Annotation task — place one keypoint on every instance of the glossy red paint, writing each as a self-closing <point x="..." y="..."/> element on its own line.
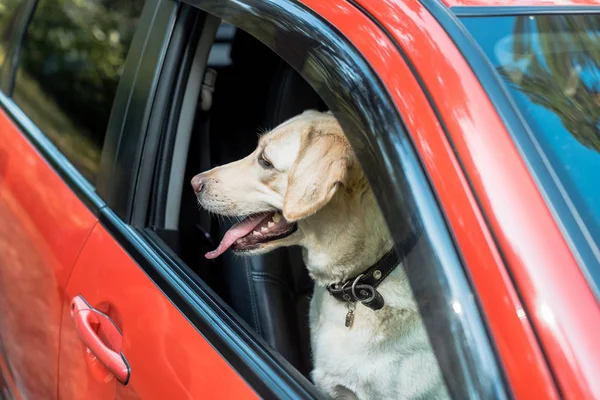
<point x="557" y="298"/>
<point x="169" y="359"/>
<point x="101" y="337"/>
<point x="44" y="226"/>
<point x="518" y="348"/>
<point x="520" y="3"/>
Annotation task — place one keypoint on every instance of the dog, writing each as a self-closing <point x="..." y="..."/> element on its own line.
<point x="303" y="186"/>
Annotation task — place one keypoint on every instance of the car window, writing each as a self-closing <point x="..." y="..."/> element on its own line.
<point x="271" y="292"/>
<point x="551" y="64"/>
<point x="72" y="57"/>
<point x="9" y="11"/>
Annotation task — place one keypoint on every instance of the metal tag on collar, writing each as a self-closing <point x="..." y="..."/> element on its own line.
<point x="350" y="315"/>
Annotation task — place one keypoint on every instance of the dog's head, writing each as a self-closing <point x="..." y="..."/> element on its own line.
<point x="295" y="172"/>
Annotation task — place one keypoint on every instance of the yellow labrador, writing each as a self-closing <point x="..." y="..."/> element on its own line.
<point x="303" y="186"/>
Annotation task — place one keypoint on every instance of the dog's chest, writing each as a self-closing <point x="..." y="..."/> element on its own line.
<point x="373" y="355"/>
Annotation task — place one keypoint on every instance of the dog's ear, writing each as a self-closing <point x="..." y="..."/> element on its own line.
<point x="322" y="166"/>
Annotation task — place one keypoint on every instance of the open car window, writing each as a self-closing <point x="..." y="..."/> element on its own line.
<point x="229" y="99"/>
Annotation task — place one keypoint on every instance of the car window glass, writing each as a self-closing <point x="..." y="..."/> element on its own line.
<point x="69" y="68"/>
<point x="551" y="64"/>
<point x="9" y="10"/>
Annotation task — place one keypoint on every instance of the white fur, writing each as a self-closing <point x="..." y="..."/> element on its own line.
<point x="385" y="354"/>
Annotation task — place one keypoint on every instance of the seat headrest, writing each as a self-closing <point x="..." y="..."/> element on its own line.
<point x="289" y="95"/>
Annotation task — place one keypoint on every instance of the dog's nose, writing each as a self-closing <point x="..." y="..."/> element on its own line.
<point x="197" y="184"/>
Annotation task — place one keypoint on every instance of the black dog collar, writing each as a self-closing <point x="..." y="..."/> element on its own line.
<point x="363" y="288"/>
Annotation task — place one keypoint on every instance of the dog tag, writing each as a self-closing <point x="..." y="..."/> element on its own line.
<point x="349" y="319"/>
<point x="350" y="315"/>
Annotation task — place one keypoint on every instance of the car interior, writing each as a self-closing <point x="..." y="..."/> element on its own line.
<point x="229" y="99"/>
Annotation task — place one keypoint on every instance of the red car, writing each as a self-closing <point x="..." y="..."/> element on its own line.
<point x="477" y="123"/>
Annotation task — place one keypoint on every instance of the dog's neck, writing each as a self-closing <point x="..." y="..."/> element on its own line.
<point x="344" y="238"/>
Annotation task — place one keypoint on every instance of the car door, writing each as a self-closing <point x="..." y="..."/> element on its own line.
<point x="43" y="227"/>
<point x="142" y="324"/>
<point x="122" y="337"/>
<point x="52" y="135"/>
<point x="135" y="321"/>
<point x="158" y="353"/>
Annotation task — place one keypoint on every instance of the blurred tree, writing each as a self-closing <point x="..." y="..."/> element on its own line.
<point x="562" y="54"/>
<point x="8" y="8"/>
<point x="76" y="50"/>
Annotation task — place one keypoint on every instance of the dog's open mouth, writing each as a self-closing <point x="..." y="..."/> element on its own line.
<point x="253" y="231"/>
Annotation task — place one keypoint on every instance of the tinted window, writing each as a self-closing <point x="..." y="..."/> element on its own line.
<point x="9" y="11"/>
<point x="551" y="64"/>
<point x="71" y="61"/>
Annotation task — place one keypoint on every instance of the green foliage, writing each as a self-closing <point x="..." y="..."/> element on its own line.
<point x="69" y="68"/>
<point x="76" y="50"/>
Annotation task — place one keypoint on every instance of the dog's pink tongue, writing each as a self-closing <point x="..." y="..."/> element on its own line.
<point x="237" y="231"/>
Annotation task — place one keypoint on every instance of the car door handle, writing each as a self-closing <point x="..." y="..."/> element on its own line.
<point x="102" y="338"/>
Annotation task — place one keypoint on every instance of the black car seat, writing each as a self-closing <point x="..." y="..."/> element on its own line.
<point x="270" y="292"/>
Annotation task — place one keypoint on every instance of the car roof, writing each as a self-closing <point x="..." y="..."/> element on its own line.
<point x="519" y="3"/>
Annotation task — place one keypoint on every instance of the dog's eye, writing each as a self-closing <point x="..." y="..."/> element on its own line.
<point x="264" y="162"/>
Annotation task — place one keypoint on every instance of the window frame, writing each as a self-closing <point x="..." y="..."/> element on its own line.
<point x="125" y="138"/>
<point x="293" y="12"/>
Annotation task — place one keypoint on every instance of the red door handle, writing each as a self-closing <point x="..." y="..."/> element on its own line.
<point x="102" y="337"/>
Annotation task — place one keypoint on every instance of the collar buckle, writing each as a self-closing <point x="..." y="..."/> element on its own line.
<point x="363" y="288"/>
